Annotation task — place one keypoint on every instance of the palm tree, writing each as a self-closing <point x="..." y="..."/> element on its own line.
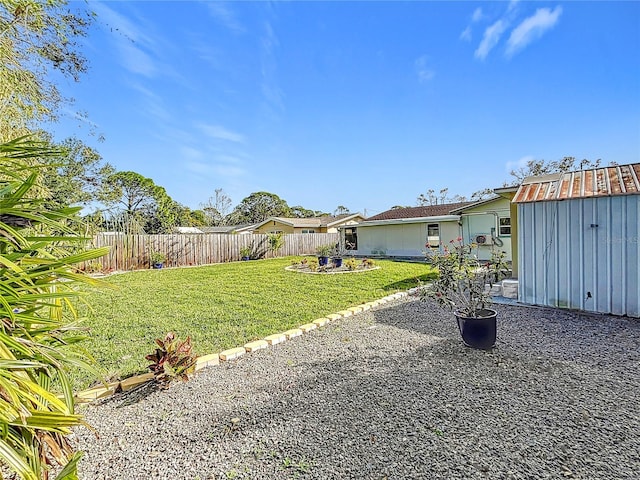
<point x="39" y="253"/>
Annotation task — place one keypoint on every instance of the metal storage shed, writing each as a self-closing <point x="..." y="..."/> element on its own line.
<point x="578" y="240"/>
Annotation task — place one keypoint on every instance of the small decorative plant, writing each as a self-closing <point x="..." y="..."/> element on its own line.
<point x="276" y="242"/>
<point x="157" y="258"/>
<point x="245" y="252"/>
<point x="313" y="264"/>
<point x="462" y="277"/>
<point x="325" y="250"/>
<point x="351" y="263"/>
<point x="368" y="263"/>
<point x="172" y="360"/>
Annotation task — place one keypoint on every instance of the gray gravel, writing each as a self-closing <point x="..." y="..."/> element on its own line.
<point x="393" y="393"/>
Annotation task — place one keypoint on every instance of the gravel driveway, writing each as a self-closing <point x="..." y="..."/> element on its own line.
<point x="392" y="393"/>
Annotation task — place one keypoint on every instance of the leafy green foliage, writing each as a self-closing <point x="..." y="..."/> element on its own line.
<point x="462" y="278"/>
<point x="134" y="200"/>
<point x="172" y="360"/>
<point x="36" y="39"/>
<point x="276" y="241"/>
<point x="75" y="176"/>
<point x="39" y="251"/>
<point x="258" y="207"/>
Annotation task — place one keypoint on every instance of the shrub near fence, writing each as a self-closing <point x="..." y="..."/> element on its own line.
<point x="130" y="252"/>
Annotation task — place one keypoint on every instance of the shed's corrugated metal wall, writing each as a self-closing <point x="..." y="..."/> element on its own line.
<point x="581" y="253"/>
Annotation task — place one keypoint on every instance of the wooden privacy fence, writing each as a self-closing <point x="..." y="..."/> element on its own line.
<point x="129" y="252"/>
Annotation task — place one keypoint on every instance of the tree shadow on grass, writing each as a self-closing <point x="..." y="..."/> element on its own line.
<point x="408" y="283"/>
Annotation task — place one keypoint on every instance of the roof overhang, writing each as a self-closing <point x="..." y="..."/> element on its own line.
<point x="401" y="221"/>
<point x="343" y="220"/>
<point x="477" y="204"/>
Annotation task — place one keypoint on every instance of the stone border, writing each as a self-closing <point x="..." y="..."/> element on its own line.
<point x="292" y="268"/>
<point x="231" y="354"/>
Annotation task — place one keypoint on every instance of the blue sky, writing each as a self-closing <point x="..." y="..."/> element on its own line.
<point x="361" y="104"/>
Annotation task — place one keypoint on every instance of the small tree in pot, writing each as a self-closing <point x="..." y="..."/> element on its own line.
<point x="323" y="252"/>
<point x="463" y="285"/>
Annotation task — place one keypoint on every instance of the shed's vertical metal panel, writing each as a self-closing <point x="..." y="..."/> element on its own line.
<point x="581" y="253"/>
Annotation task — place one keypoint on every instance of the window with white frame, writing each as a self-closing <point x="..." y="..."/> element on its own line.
<point x="433" y="235"/>
<point x="308" y="230"/>
<point x="504" y="226"/>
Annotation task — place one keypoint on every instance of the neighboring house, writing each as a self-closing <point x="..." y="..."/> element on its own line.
<point x="229" y="229"/>
<point x="187" y="230"/>
<point x="578" y="240"/>
<point x="403" y="232"/>
<point x="492" y="224"/>
<point x="307" y="225"/>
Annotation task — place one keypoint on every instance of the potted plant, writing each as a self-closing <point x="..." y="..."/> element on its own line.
<point x="245" y="253"/>
<point x="157" y="259"/>
<point x="324" y="252"/>
<point x="337" y="256"/>
<point x="461" y="286"/>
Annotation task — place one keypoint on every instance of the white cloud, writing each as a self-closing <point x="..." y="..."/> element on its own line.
<point x="153" y="103"/>
<point x="220" y="133"/>
<point x="532" y="28"/>
<point x="229" y="159"/>
<point x="466" y="34"/>
<point x="217" y="170"/>
<point x="476" y="16"/>
<point x="190" y="152"/>
<point x="425" y="72"/>
<point x="221" y="12"/>
<point x="271" y="90"/>
<point x="518" y="164"/>
<point x="137" y="61"/>
<point x="490" y="39"/>
<point x="132" y="42"/>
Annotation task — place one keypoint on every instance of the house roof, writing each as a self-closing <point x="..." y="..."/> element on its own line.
<point x="312" y="222"/>
<point x="226" y="228"/>
<point x="460" y="210"/>
<point x="187" y="230"/>
<point x="596" y="182"/>
<point x="417" y="212"/>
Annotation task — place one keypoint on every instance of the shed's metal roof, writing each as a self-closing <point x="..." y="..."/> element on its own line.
<point x="597" y="182"/>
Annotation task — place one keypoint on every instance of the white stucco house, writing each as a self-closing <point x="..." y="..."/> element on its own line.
<point x="406" y="232"/>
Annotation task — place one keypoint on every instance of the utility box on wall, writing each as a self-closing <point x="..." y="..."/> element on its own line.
<point x="578" y="240"/>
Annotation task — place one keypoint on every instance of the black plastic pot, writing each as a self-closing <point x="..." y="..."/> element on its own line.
<point x="157" y="265"/>
<point x="478" y="332"/>
<point x="322" y="261"/>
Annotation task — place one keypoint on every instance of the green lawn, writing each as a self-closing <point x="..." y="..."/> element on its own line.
<point x="222" y="306"/>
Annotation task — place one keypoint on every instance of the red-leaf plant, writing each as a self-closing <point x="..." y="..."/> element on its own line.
<point x="172" y="360"/>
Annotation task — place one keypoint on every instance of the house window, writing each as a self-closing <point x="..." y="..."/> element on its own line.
<point x="350" y="239"/>
<point x="276" y="231"/>
<point x="504" y="226"/>
<point x="433" y="235"/>
<point x="308" y="230"/>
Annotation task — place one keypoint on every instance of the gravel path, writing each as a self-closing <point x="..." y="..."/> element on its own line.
<point x="392" y="393"/>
